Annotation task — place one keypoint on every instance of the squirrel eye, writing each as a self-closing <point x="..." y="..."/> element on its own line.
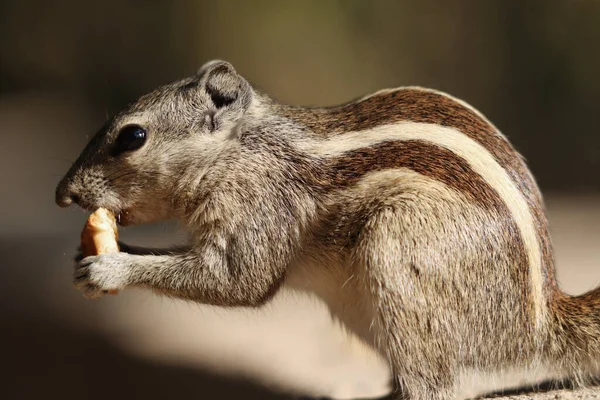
<point x="131" y="138"/>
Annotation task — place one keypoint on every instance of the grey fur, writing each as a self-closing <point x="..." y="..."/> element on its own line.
<point x="436" y="278"/>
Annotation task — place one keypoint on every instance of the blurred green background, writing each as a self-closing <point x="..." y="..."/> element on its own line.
<point x="531" y="66"/>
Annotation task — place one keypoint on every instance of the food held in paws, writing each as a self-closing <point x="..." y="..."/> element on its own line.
<point x="100" y="235"/>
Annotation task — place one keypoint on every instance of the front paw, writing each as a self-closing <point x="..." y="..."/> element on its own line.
<point x="97" y="275"/>
<point x="123" y="248"/>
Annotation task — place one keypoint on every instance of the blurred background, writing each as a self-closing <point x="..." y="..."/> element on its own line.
<point x="531" y="66"/>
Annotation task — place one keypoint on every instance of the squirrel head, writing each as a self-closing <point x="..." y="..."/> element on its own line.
<point x="135" y="164"/>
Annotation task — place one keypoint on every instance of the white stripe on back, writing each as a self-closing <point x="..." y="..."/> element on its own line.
<point x="480" y="160"/>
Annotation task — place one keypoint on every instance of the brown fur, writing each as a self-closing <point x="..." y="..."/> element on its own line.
<point x="423" y="251"/>
<point x="419" y="105"/>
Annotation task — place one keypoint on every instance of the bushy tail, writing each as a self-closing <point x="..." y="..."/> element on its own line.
<point x="574" y="342"/>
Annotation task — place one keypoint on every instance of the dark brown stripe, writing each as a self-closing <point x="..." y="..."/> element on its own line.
<point x="415" y="105"/>
<point x="422" y="157"/>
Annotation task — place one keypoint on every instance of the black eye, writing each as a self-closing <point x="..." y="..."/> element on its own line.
<point x="131" y="138"/>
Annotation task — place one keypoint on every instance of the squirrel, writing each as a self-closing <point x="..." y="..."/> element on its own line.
<point x="406" y="211"/>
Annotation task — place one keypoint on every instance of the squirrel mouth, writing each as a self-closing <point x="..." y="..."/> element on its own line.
<point x="124" y="218"/>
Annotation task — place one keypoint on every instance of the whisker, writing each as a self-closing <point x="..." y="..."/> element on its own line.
<point x="111" y="178"/>
<point x="159" y="174"/>
<point x="117" y="172"/>
<point x="61" y="159"/>
<point x="120" y="176"/>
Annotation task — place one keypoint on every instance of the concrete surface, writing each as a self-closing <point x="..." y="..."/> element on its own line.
<point x="580" y="394"/>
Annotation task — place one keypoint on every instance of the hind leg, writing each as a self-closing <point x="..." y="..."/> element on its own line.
<point x="446" y="283"/>
<point x="422" y="361"/>
<point x="417" y="312"/>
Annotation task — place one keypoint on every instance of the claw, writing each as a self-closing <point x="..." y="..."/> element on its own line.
<point x="87" y="261"/>
<point x="91" y="292"/>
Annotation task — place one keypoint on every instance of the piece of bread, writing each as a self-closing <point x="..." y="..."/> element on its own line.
<point x="100" y="235"/>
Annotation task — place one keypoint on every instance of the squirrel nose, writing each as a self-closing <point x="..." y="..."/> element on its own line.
<point x="65" y="197"/>
<point x="64" y="201"/>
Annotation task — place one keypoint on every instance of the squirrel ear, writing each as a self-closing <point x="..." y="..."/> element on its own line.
<point x="225" y="87"/>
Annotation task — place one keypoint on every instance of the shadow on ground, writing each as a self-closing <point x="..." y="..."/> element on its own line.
<point x="45" y="356"/>
<point x="44" y="361"/>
